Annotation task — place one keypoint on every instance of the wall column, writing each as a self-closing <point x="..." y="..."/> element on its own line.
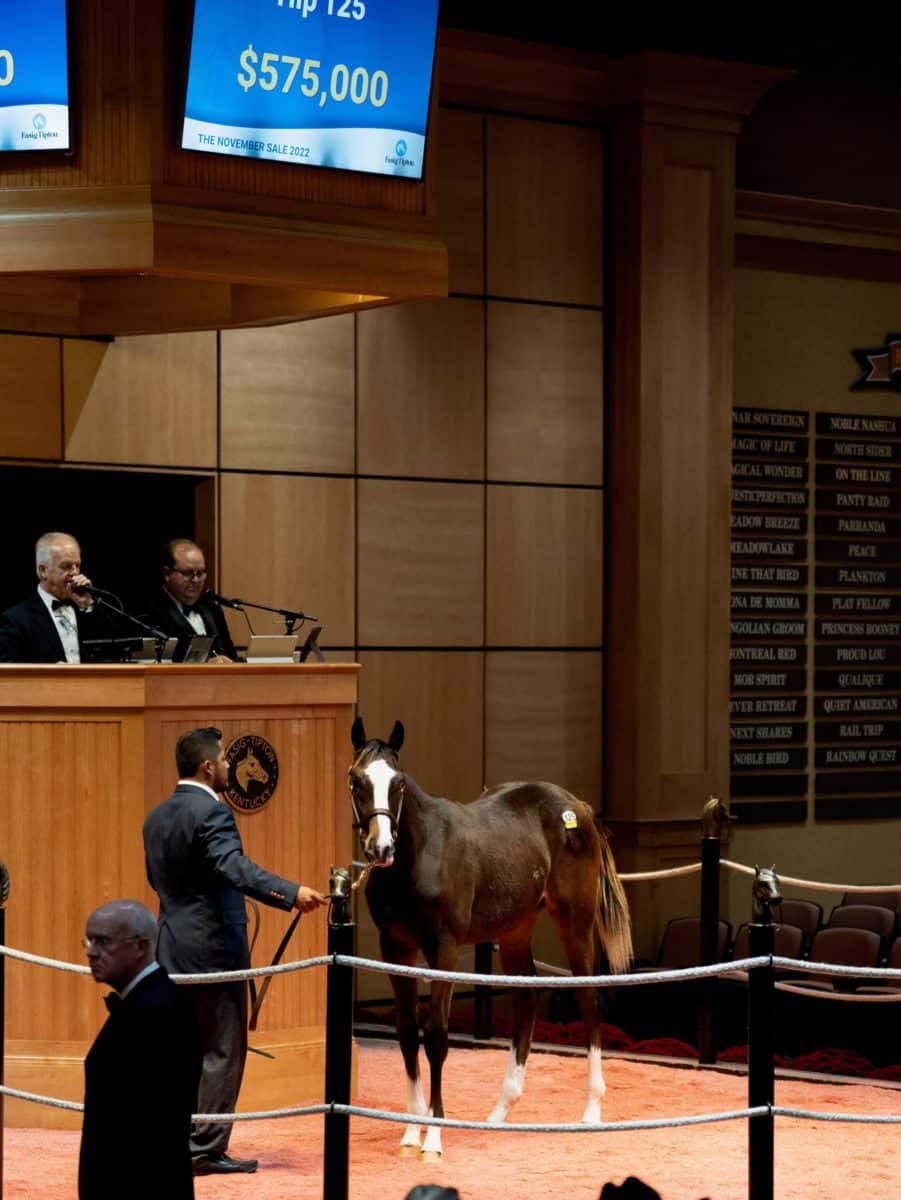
<point x="674" y="123"/>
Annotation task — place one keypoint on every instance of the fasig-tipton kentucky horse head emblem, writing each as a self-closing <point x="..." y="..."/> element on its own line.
<point x="252" y="773"/>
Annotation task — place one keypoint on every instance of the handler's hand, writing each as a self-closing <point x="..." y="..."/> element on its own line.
<point x="307" y="899"/>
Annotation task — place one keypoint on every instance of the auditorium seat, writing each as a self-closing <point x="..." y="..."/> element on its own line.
<point x="871" y="988"/>
<point x="865" y="916"/>
<point x="806" y="914"/>
<point x="841" y="945"/>
<point x="680" y="945"/>
<point x="885" y="899"/>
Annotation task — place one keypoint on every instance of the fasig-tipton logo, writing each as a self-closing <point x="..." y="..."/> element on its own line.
<point x="399" y="158"/>
<point x="40" y="131"/>
<point x="252" y="773"/>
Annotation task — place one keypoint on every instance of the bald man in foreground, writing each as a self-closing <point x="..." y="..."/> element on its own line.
<point x="142" y="1072"/>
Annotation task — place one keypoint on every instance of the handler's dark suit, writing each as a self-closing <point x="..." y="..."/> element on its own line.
<point x="140" y="1088"/>
<point x="28" y="633"/>
<point x="197" y="866"/>
<point x="164" y="614"/>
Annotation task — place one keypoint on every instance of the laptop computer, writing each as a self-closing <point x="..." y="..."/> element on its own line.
<point x="147" y="653"/>
<point x="271" y="648"/>
<point x="198" y="650"/>
<point x="109" y="650"/>
<point x="310" y="651"/>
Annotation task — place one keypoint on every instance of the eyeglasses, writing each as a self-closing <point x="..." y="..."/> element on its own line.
<point x="189" y="574"/>
<point x="104" y="940"/>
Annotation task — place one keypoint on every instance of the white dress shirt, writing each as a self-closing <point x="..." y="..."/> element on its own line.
<point x="66" y="625"/>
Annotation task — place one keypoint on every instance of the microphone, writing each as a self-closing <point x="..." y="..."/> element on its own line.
<point x="209" y="594"/>
<point x="85" y="589"/>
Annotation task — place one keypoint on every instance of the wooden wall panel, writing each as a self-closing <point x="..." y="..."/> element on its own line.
<point x="31" y="411"/>
<point x="545" y="554"/>
<point x="544" y="211"/>
<point x="443" y="741"/>
<point x="287" y="397"/>
<point x="438" y="697"/>
<point x="545" y="385"/>
<point x="461" y="198"/>
<point x="429" y="420"/>
<point x="288" y="541"/>
<point x="148" y="401"/>
<point x="686" y="416"/>
<point x="420" y="564"/>
<point x="543" y="720"/>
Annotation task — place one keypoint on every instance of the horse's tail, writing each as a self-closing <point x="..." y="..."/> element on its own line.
<point x="614" y="924"/>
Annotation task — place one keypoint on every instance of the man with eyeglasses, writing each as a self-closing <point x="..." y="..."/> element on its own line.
<point x="181" y="609"/>
<point x="142" y="1072"/>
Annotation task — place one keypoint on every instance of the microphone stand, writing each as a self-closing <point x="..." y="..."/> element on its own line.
<point x="290" y="618"/>
<point x="100" y="601"/>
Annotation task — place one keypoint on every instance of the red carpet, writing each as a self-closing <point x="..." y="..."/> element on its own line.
<point x="814" y="1161"/>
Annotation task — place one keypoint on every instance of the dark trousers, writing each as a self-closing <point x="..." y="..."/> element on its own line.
<point x="222" y="1017"/>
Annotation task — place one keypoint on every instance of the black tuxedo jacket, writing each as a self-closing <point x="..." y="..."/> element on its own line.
<point x="197" y="866"/>
<point x="28" y="633"/>
<point x="164" y="614"/>
<point x="141" y="1077"/>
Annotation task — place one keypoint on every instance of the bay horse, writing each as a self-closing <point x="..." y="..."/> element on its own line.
<point x="453" y="874"/>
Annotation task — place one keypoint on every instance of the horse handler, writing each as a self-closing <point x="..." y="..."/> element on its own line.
<point x="197" y="866"/>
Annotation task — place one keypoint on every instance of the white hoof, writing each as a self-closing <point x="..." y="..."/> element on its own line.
<point x="592" y="1113"/>
<point x="431" y="1156"/>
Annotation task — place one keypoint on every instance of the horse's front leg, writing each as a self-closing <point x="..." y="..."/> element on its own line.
<point x="435" y="1042"/>
<point x="516" y="959"/>
<point x="405" y="996"/>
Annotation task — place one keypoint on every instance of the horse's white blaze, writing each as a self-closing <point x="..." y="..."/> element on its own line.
<point x="417" y="1106"/>
<point x="596" y="1087"/>
<point x="511" y="1088"/>
<point x="380" y="776"/>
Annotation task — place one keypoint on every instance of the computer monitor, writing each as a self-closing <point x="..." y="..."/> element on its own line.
<point x="271" y="648"/>
<point x="198" y="650"/>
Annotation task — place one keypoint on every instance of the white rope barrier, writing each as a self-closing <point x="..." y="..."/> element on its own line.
<point x="520" y="981"/>
<point x="376" y="1114"/>
<point x="857" y="1118"/>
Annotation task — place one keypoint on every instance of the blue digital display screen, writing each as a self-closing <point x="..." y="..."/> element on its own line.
<point x="326" y="83"/>
<point x="34" y="75"/>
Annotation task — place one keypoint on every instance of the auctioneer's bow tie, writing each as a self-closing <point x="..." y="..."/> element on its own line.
<point x="57" y="604"/>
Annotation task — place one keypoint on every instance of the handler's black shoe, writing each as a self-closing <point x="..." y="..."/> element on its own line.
<point x="222" y="1164"/>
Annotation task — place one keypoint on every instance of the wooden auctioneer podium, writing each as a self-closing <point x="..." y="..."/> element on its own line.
<point x="87" y="752"/>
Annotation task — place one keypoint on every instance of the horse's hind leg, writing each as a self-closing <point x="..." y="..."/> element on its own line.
<point x="516" y="959"/>
<point x="405" y="993"/>
<point x="577" y="935"/>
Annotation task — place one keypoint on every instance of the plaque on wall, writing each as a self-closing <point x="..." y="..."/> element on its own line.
<point x="868" y="656"/>
<point x="858" y="451"/>
<point x="858" y="425"/>
<point x="856" y="706"/>
<point x="776" y="419"/>
<point x="768" y="706"/>
<point x="769" y="574"/>
<point x="769" y="602"/>
<point x="859" y="731"/>
<point x="858" y="526"/>
<point x="788" y="732"/>
<point x="767" y="443"/>
<point x="754" y="497"/>
<point x="768" y="785"/>
<point x="850" y="500"/>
